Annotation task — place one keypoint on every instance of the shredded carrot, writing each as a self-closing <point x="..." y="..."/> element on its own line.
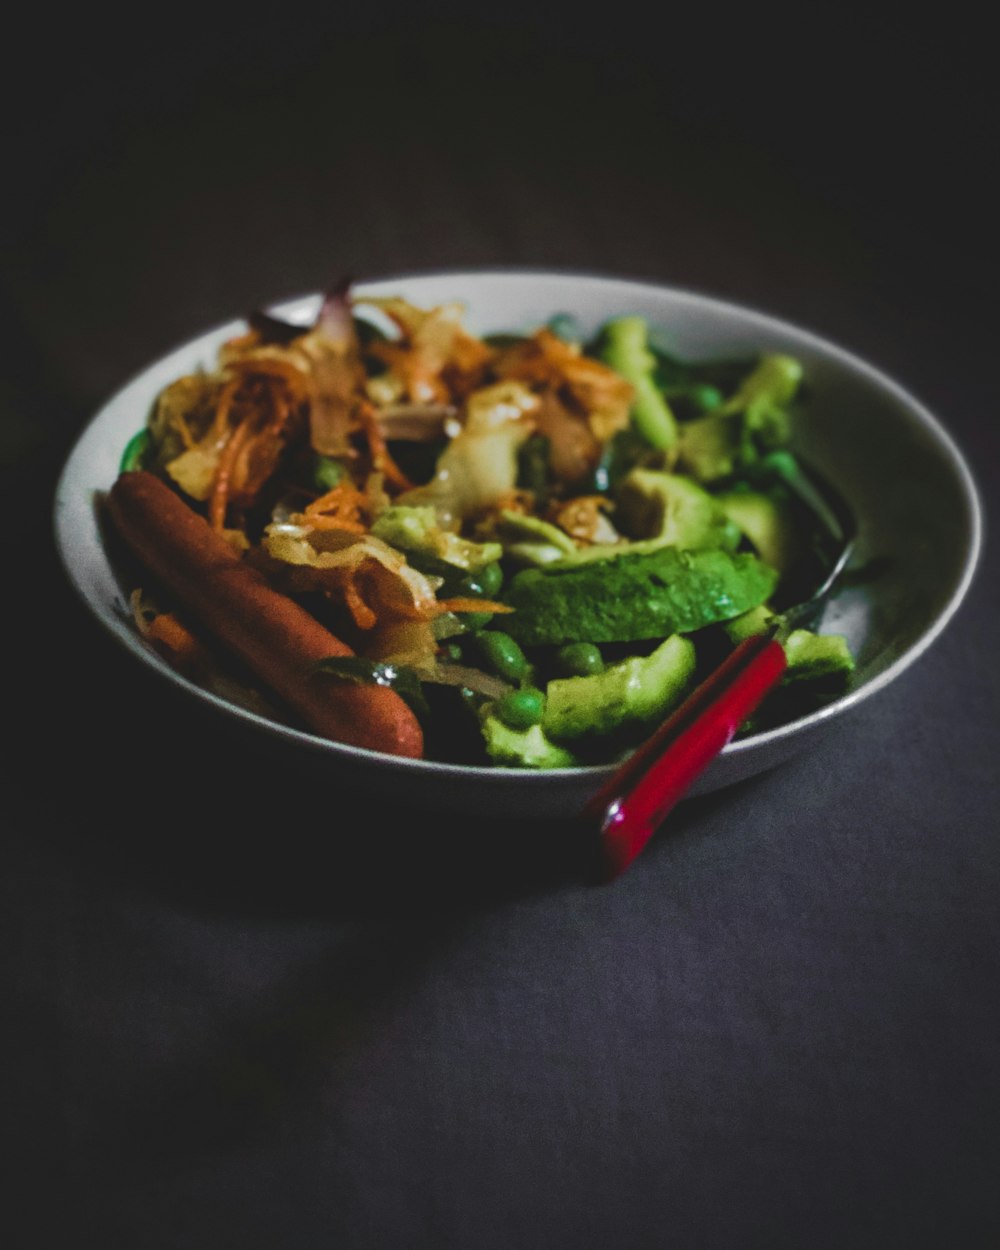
<point x="337" y="497"/>
<point x="261" y="430"/>
<point x="226" y="397"/>
<point x="363" y="615"/>
<point x="473" y="605"/>
<point x="221" y="485"/>
<point x="340" y="508"/>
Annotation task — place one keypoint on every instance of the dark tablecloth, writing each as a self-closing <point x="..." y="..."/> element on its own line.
<point x="245" y="1010"/>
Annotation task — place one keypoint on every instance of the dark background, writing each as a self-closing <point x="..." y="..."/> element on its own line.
<point x="245" y="1011"/>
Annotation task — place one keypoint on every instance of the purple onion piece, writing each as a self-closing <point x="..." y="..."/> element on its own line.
<point x="335" y="320"/>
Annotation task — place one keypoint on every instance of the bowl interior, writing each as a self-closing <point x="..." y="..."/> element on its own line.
<point x="918" y="514"/>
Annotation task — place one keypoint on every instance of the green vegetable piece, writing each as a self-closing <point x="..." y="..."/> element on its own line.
<point x="711" y="447"/>
<point x="812" y="656"/>
<point x="625" y="348"/>
<point x="634" y="596"/>
<point x="580" y="659"/>
<point x="641" y="688"/>
<point x="747" y="624"/>
<point x="327" y="473"/>
<point x="136" y="450"/>
<point x="768" y="524"/>
<point x="661" y="509"/>
<point x="809" y="655"/>
<point x="522" y="748"/>
<point x="398" y="677"/>
<point x="782" y="464"/>
<point x="751" y="423"/>
<point x="489" y="580"/>
<point x="447" y="625"/>
<point x="416" y="529"/>
<point x="673" y="510"/>
<point x="682" y="377"/>
<point x="704" y="396"/>
<point x="530" y="540"/>
<point x="473" y="622"/>
<point x="520" y="709"/>
<point x="503" y="655"/>
<point x="773" y="384"/>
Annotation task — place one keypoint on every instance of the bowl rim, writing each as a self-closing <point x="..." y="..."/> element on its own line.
<point x="66" y="488"/>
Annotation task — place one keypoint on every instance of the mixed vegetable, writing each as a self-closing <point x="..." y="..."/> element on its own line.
<point x="539" y="540"/>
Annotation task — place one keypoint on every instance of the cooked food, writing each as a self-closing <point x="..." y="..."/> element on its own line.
<point x="279" y="641"/>
<point x="405" y="531"/>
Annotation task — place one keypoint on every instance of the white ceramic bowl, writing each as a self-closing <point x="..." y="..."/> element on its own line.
<point x="911" y="491"/>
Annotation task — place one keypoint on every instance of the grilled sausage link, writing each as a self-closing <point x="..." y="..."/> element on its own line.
<point x="276" y="638"/>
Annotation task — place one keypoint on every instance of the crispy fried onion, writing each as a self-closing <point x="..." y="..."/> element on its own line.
<point x="478" y="468"/>
<point x="371" y="578"/>
<point x="598" y="395"/>
<point x="435" y="360"/>
<point x="226" y="434"/>
<point x="327" y="361"/>
<point x="220" y="439"/>
<point x="391" y="602"/>
<point x="585" y="519"/>
<point x="448" y="674"/>
<point x="328" y="374"/>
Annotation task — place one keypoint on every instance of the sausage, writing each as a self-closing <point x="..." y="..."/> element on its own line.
<point x="274" y="636"/>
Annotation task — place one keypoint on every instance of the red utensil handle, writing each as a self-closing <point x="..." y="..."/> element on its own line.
<point x="639" y="796"/>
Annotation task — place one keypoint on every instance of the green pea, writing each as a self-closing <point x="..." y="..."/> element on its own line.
<point x="474" y="621"/>
<point x="520" y="709"/>
<point x="580" y="659"/>
<point x="490" y="579"/>
<point x="327" y="473"/>
<point x="503" y="654"/>
<point x="483" y="583"/>
<point x="706" y="397"/>
<point x="783" y="463"/>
